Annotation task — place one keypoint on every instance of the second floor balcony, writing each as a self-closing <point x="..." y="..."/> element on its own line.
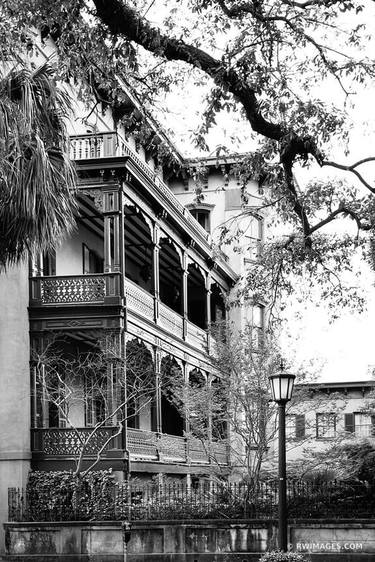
<point x="99" y="289"/>
<point x="144" y="446"/>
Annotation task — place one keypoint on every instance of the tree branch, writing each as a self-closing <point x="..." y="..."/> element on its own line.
<point x="123" y="20"/>
<point x="341" y="210"/>
<point x="312" y="3"/>
<point x="353" y="169"/>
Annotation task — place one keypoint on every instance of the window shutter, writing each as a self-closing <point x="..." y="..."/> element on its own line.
<point x="232" y="199"/>
<point x="300" y="426"/>
<point x="349" y="423"/>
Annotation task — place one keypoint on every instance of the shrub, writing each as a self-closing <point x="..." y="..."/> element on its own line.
<point x="62" y="496"/>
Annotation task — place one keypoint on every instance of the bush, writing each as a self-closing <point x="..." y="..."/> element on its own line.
<point x="62" y="496"/>
<point x="278" y="556"/>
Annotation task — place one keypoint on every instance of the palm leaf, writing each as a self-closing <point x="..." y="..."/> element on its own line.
<point x="37" y="180"/>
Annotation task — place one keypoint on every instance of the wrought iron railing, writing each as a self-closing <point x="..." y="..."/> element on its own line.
<point x="94" y="288"/>
<point x="143" y="445"/>
<point x="138" y="300"/>
<point x="196" y="336"/>
<point x="337" y="499"/>
<point x="170" y="320"/>
<point x="74" y="289"/>
<point x="70" y="442"/>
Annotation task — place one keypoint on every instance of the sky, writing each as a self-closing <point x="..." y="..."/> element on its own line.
<point x="343" y="349"/>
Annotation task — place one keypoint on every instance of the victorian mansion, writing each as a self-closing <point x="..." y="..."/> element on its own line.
<point x="141" y="274"/>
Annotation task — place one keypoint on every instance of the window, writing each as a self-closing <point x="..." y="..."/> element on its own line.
<point x="92" y="262"/>
<point x="95" y="403"/>
<point x="325" y="426"/>
<point x="203" y="217"/>
<point x="257" y="324"/>
<point x="57" y="404"/>
<point x="295" y="426"/>
<point x="255" y="237"/>
<point x="361" y="424"/>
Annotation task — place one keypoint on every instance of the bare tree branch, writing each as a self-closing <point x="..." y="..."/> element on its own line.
<point x="353" y="170"/>
<point x="341" y="210"/>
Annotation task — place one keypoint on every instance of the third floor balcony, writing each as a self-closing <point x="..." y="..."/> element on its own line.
<point x="111" y="145"/>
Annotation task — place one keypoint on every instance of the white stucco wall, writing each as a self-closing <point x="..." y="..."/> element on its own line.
<point x="69" y="256"/>
<point x="14" y="384"/>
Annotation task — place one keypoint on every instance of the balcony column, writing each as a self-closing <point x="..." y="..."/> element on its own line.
<point x="107" y="244"/>
<point x="121" y="242"/>
<point x="112" y="205"/>
<point x="209" y="420"/>
<point x="185" y="373"/>
<point x="116" y="244"/>
<point x="208" y="310"/>
<point x="110" y="388"/>
<point x="44" y="397"/>
<point x="185" y="295"/>
<point x="111" y="213"/>
<point x="157" y="362"/>
<point x="38" y="398"/>
<point x="155" y="270"/>
<point x="122" y="402"/>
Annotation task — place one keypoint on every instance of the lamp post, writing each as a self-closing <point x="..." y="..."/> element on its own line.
<point x="282" y="389"/>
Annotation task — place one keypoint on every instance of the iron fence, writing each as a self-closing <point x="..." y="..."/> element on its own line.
<point x="337" y="499"/>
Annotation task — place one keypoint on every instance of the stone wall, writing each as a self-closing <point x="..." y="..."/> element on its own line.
<point x="187" y="541"/>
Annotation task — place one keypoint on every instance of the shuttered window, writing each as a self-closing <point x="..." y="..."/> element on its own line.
<point x="349" y="423"/>
<point x="360" y="423"/>
<point x="295" y="426"/>
<point x="233" y="199"/>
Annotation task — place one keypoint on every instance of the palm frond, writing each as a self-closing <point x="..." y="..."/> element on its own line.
<point x="37" y="180"/>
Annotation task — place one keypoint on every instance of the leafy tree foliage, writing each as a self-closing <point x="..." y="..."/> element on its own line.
<point x="234" y="406"/>
<point x="269" y="60"/>
<point x="344" y="460"/>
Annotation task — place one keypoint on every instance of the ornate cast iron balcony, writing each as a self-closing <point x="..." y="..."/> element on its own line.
<point x="74" y="289"/>
<point x="66" y="443"/>
<point x="105" y="288"/>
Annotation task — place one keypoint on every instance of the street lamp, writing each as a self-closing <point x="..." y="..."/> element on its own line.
<point x="282" y="389"/>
